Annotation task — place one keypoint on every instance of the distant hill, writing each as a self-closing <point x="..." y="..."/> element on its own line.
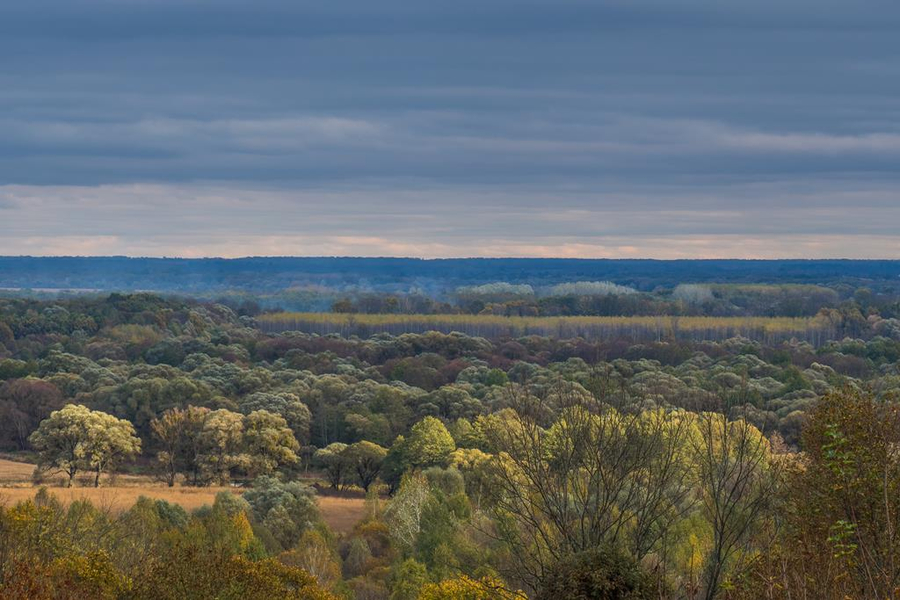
<point x="266" y="275"/>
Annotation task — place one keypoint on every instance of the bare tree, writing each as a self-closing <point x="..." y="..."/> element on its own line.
<point x="737" y="480"/>
<point x="596" y="476"/>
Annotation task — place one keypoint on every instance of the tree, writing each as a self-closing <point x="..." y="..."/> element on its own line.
<point x="316" y="557"/>
<point x="24" y="403"/>
<point x="109" y="441"/>
<point x="737" y="479"/>
<point x="170" y="429"/>
<point x="286" y="509"/>
<point x="268" y="442"/>
<point x="289" y="406"/>
<point x="202" y="444"/>
<point x="75" y="438"/>
<point x="366" y="459"/>
<point x="404" y="514"/>
<point x="429" y="443"/>
<point x="595" y="477"/>
<point x="408" y="579"/>
<point x="394" y="464"/>
<point x="333" y="460"/>
<point x="839" y="508"/>
<point x="221" y="441"/>
<point x="189" y="573"/>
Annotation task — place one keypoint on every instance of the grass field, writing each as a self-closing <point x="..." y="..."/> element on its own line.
<point x="340" y="513"/>
<point x="768" y="329"/>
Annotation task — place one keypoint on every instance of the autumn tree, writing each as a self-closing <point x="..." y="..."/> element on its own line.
<point x="365" y="458"/>
<point x="171" y="432"/>
<point x="466" y="588"/>
<point x="839" y="508"/>
<point x="315" y="556"/>
<point x="737" y="479"/>
<point x="109" y="441"/>
<point x="75" y="438"/>
<point x="268" y="442"/>
<point x="334" y="461"/>
<point x="429" y="443"/>
<point x="597" y="476"/>
<point x="203" y="444"/>
<point x="603" y="573"/>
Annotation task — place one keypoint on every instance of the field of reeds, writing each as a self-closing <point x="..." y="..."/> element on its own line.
<point x="634" y="329"/>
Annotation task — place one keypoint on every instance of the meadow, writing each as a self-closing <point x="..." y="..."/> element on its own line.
<point x="340" y="513"/>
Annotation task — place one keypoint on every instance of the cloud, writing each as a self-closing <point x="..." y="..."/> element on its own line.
<point x="812" y="219"/>
<point x="608" y="127"/>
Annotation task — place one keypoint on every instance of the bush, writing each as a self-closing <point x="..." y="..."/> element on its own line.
<point x="599" y="574"/>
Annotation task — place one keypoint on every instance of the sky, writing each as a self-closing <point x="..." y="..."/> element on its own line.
<point x="632" y="128"/>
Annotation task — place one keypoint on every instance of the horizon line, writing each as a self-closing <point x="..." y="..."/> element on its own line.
<point x="435" y="259"/>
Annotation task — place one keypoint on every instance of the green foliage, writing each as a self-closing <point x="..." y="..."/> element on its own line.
<point x="408" y="579"/>
<point x="365" y="458"/>
<point x="490" y="467"/>
<point x="599" y="574"/>
<point x="287" y="510"/>
<point x="429" y="444"/>
<point x="334" y="460"/>
<point x="268" y="442"/>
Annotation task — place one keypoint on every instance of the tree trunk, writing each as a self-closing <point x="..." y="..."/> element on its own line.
<point x="97" y="478"/>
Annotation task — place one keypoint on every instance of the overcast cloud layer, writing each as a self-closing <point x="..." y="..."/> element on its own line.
<point x="661" y="128"/>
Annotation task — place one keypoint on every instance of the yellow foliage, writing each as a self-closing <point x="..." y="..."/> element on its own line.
<point x="465" y="588"/>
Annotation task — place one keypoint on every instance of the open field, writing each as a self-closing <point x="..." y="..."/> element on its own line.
<point x="340" y="513"/>
<point x="636" y="329"/>
<point x="13" y="472"/>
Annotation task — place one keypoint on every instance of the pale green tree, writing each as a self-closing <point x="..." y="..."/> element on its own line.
<point x="221" y="443"/>
<point x="75" y="438"/>
<point x="268" y="442"/>
<point x="405" y="513"/>
<point x="60" y="440"/>
<point x="109" y="441"/>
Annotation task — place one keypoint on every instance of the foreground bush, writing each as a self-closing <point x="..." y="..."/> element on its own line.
<point x="599" y="574"/>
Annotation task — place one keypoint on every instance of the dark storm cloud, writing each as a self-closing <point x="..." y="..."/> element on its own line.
<point x="570" y="125"/>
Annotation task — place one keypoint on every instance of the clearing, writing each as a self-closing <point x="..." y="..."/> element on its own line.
<point x="340" y="513"/>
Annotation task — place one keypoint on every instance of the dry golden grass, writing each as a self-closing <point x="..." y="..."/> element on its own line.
<point x="118" y="498"/>
<point x="340" y="513"/>
<point x="636" y="329"/>
<point x="771" y="324"/>
<point x="12" y="472"/>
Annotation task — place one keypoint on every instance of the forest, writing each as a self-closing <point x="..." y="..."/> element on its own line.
<point x="702" y="454"/>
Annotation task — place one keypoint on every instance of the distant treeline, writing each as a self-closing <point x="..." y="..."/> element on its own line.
<point x="815" y="331"/>
<point x="261" y="275"/>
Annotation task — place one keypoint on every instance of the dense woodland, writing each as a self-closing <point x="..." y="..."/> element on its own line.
<point x="495" y="467"/>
